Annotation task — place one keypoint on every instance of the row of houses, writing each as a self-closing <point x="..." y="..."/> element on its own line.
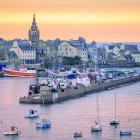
<point x="23" y="51"/>
<point x="53" y="51"/>
<point x="119" y="53"/>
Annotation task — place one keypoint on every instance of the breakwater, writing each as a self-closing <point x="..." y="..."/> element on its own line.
<point x="46" y="97"/>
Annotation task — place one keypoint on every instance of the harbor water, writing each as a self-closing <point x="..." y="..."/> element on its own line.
<point x="70" y="116"/>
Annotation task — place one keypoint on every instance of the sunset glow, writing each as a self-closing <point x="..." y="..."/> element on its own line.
<point x="99" y="20"/>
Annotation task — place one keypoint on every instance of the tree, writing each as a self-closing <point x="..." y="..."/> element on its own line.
<point x="71" y="60"/>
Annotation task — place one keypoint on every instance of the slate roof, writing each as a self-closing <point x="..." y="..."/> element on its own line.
<point x="24" y="45"/>
<point x="76" y="44"/>
<point x="132" y="49"/>
<point x="111" y="46"/>
<point x="12" y="54"/>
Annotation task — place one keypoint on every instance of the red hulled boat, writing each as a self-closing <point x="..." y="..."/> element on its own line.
<point x="21" y="72"/>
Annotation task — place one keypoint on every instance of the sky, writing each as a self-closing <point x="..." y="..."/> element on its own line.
<point x="99" y="20"/>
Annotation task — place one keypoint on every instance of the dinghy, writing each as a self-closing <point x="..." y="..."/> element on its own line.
<point x="13" y="131"/>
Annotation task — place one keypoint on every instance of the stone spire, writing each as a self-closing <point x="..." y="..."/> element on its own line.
<point x="34" y="33"/>
<point x="34" y="20"/>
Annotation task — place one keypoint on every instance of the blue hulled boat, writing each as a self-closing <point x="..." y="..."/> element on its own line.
<point x="43" y="124"/>
<point x="125" y="133"/>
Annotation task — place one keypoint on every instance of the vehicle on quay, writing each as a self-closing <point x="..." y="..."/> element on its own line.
<point x="32" y="114"/>
<point x="45" y="123"/>
<point x="13" y="131"/>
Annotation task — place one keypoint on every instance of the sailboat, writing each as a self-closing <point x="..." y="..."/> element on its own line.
<point x="97" y="127"/>
<point x="114" y="121"/>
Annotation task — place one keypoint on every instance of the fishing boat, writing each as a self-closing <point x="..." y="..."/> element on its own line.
<point x="77" y="134"/>
<point x="22" y="71"/>
<point x="13" y="131"/>
<point x="125" y="133"/>
<point x="32" y="114"/>
<point x="43" y="124"/>
<point x="114" y="121"/>
<point x="97" y="127"/>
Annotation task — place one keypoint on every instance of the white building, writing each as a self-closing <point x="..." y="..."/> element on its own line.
<point x="24" y="51"/>
<point x="72" y="49"/>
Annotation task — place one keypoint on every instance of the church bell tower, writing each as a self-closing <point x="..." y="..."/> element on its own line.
<point x="34" y="33"/>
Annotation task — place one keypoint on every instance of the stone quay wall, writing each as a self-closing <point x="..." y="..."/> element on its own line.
<point x="72" y="93"/>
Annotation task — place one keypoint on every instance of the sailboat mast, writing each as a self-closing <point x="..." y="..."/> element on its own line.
<point x="98" y="120"/>
<point x="115" y="105"/>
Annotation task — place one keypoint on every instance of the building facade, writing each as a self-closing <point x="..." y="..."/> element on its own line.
<point x="24" y="51"/>
<point x="66" y="49"/>
<point x="72" y="49"/>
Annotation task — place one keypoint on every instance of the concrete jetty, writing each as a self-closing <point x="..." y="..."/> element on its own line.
<point x="47" y="97"/>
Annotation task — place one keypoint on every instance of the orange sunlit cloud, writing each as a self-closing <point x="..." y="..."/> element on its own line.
<point x="99" y="20"/>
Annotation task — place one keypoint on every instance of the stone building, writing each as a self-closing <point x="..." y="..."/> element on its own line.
<point x="24" y="50"/>
<point x="34" y="33"/>
<point x="72" y="49"/>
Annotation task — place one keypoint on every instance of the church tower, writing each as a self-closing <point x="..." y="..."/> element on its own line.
<point x="34" y="33"/>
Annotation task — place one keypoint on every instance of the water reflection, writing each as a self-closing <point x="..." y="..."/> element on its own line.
<point x="70" y="116"/>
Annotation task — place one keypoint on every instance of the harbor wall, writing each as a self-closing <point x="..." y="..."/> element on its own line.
<point x="56" y="97"/>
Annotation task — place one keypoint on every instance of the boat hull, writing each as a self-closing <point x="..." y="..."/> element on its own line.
<point x="13" y="73"/>
<point x="77" y="135"/>
<point x="125" y="133"/>
<point x="32" y="116"/>
<point x="10" y="133"/>
<point x="39" y="125"/>
<point x="114" y="122"/>
<point x="96" y="129"/>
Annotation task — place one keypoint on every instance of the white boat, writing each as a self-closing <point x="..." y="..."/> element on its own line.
<point x="32" y="114"/>
<point x="13" y="131"/>
<point x="43" y="124"/>
<point x="97" y="127"/>
<point x="114" y="121"/>
<point x="125" y="133"/>
<point x="77" y="134"/>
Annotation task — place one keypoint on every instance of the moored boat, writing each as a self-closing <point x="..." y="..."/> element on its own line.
<point x="77" y="134"/>
<point x="32" y="114"/>
<point x="125" y="133"/>
<point x="13" y="131"/>
<point x="45" y="123"/>
<point x="114" y="121"/>
<point x="97" y="127"/>
<point x="19" y="72"/>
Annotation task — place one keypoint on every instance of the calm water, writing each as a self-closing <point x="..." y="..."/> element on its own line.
<point x="70" y="116"/>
